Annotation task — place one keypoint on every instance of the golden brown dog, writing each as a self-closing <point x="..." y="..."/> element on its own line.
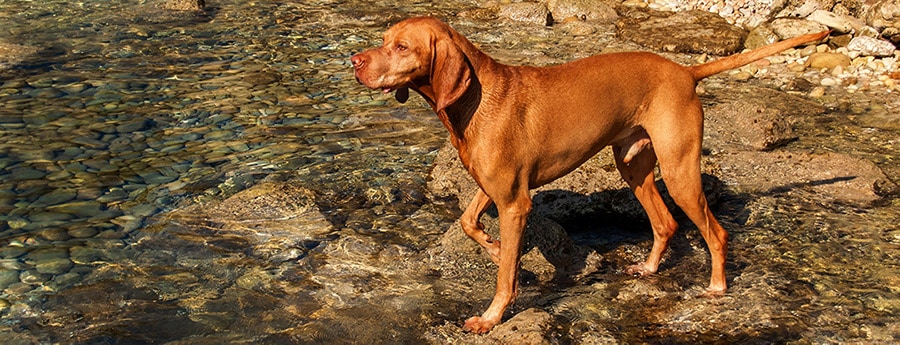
<point x="518" y="127"/>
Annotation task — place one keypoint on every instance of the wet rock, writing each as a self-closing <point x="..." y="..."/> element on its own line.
<point x="264" y="77"/>
<point x="54" y="266"/>
<point x="593" y="10"/>
<point x="787" y="28"/>
<point x="268" y="209"/>
<point x="8" y="277"/>
<point x="528" y="12"/>
<point x="755" y="118"/>
<point x="57" y="196"/>
<point x="531" y="327"/>
<point x="83" y="208"/>
<point x="869" y="46"/>
<point x="11" y="54"/>
<point x="83" y="232"/>
<point x="133" y="125"/>
<point x="683" y="32"/>
<point x="827" y="60"/>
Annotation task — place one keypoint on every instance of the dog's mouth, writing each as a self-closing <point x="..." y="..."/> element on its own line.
<point x="401" y="95"/>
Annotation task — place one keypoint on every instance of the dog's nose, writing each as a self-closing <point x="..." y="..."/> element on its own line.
<point x="358" y="61"/>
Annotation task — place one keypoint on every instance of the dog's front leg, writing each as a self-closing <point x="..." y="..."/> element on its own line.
<point x="472" y="226"/>
<point x="512" y="227"/>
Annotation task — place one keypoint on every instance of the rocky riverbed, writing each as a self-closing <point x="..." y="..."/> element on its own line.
<point x="209" y="171"/>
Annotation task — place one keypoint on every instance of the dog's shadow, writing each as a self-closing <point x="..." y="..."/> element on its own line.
<point x="584" y="235"/>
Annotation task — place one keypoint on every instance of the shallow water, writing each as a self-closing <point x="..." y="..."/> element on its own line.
<point x="125" y="112"/>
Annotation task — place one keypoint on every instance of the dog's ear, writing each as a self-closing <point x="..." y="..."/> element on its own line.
<point x="450" y="73"/>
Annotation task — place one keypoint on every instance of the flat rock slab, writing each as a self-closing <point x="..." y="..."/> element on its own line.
<point x="683" y="32"/>
<point x="825" y="178"/>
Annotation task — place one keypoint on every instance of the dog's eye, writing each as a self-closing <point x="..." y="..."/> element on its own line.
<point x="400" y="47"/>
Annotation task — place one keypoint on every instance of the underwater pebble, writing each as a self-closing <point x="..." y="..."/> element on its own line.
<point x="8" y="277"/>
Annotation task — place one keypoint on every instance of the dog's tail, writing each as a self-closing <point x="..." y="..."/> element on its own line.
<point x="738" y="60"/>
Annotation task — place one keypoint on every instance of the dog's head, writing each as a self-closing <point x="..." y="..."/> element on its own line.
<point x="420" y="53"/>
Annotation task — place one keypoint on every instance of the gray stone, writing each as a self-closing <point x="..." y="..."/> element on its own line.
<point x="788" y="28"/>
<point x="840" y="23"/>
<point x="869" y="46"/>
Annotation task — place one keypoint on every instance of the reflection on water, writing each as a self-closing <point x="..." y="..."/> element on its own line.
<point x="113" y="114"/>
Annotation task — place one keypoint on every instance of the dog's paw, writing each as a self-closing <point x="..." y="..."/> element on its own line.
<point x="478" y="325"/>
<point x="638" y="270"/>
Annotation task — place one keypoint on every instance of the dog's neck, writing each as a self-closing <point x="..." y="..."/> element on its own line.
<point x="458" y="116"/>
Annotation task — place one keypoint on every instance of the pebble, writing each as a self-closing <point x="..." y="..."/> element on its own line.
<point x="817" y="92"/>
<point x="54" y="266"/>
<point x="827" y="60"/>
<point x="31" y="277"/>
<point x="81" y="208"/>
<point x="8" y="277"/>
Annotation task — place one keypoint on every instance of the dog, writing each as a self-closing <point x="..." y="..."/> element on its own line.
<point x="519" y="127"/>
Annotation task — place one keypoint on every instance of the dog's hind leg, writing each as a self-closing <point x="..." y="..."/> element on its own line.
<point x="637" y="170"/>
